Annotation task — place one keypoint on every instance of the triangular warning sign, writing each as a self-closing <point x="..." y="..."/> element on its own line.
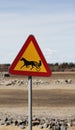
<point x="30" y="60"/>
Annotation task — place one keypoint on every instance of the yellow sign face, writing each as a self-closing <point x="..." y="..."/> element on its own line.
<point x="30" y="60"/>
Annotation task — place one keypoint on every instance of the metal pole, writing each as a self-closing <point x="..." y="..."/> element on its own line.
<point x="30" y="101"/>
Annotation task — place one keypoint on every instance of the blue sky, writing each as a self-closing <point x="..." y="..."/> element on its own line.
<point x="52" y="22"/>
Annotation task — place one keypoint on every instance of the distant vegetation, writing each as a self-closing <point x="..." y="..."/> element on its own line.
<point x="54" y="67"/>
<point x="4" y="67"/>
<point x="62" y="67"/>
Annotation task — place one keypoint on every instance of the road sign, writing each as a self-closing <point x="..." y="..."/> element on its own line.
<point x="30" y="60"/>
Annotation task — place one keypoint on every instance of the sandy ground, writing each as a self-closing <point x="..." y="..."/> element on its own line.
<point x="34" y="128"/>
<point x="16" y="128"/>
<point x="56" y="100"/>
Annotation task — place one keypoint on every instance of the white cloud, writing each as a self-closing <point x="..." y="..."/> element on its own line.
<point x="49" y="54"/>
<point x="12" y="23"/>
<point x="53" y="29"/>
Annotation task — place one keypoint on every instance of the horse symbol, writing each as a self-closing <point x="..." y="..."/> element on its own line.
<point x="31" y="63"/>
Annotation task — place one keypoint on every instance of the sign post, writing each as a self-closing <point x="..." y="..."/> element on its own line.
<point x="31" y="62"/>
<point x="30" y="101"/>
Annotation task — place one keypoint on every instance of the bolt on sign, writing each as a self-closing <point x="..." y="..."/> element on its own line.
<point x="30" y="60"/>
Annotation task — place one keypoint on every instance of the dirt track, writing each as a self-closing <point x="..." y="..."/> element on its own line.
<point x="48" y="98"/>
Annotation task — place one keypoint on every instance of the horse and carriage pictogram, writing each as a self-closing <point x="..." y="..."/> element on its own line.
<point x="31" y="64"/>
